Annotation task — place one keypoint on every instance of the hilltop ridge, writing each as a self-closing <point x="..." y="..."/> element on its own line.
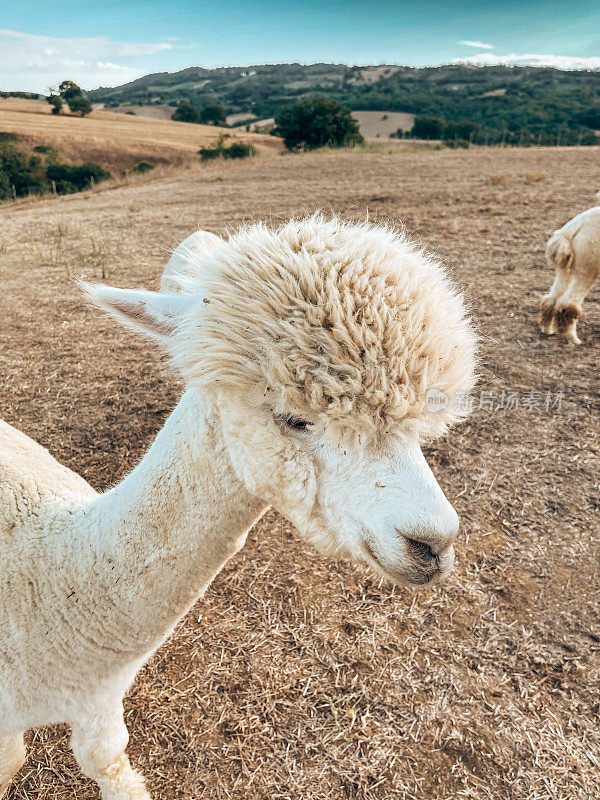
<point x="498" y="98"/>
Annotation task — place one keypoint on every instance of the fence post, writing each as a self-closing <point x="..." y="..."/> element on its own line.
<point x="503" y="142"/>
<point x="54" y="192"/>
<point x="580" y="138"/>
<point x="487" y="138"/>
<point x="558" y="137"/>
<point x="14" y="191"/>
<point x="539" y="138"/>
<point x="91" y="181"/>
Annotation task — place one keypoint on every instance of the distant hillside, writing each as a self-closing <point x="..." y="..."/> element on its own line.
<point x="536" y="99"/>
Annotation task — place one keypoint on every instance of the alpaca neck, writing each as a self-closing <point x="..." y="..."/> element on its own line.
<point x="173" y="523"/>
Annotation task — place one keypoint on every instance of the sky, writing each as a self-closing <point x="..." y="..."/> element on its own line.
<point x="107" y="43"/>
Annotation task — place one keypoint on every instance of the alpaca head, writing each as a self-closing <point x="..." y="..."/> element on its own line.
<point x="319" y="344"/>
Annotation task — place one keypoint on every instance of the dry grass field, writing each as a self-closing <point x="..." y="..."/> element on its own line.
<point x="117" y="141"/>
<point x="381" y="124"/>
<point x="297" y="678"/>
<point x="158" y="111"/>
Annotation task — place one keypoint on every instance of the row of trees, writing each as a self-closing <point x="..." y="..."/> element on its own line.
<point x="426" y="127"/>
<point x="210" y="114"/>
<point x="321" y="121"/>
<point x="70" y="93"/>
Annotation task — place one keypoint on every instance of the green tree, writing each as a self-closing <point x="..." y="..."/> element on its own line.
<point x="55" y="101"/>
<point x="428" y="127"/>
<point x="80" y="104"/>
<point x="317" y="122"/>
<point x="186" y="112"/>
<point x="461" y="130"/>
<point x="213" y="114"/>
<point x="68" y="90"/>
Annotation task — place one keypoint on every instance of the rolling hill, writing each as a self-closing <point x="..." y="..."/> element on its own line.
<point x="536" y="99"/>
<point x="117" y="141"/>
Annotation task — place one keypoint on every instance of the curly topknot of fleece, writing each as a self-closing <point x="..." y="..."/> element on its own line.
<point x="344" y="325"/>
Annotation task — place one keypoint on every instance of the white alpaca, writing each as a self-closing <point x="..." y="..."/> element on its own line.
<point x="187" y="259"/>
<point x="308" y="353"/>
<point x="574" y="251"/>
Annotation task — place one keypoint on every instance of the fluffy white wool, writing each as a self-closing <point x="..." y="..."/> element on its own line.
<point x="345" y="325"/>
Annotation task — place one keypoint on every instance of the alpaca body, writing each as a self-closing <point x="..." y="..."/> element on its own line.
<point x="574" y="251"/>
<point x="308" y="353"/>
<point x="94" y="590"/>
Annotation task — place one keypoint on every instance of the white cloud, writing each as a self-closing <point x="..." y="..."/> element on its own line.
<point x="479" y="45"/>
<point x="530" y="59"/>
<point x="32" y="63"/>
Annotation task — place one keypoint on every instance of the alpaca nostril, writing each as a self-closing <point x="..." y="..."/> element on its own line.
<point x="420" y="551"/>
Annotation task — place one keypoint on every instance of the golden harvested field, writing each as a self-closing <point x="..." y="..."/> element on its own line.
<point x="380" y="124"/>
<point x="117" y="141"/>
<point x="297" y="678"/>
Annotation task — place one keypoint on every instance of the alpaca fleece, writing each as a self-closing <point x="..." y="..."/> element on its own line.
<point x="346" y="326"/>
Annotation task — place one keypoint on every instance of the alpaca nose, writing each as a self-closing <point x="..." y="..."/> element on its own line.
<point x="434" y="534"/>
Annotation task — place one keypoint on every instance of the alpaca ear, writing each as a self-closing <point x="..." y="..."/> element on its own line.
<point x="154" y="313"/>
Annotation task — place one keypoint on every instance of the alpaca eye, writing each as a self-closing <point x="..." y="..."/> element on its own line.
<point x="295" y="423"/>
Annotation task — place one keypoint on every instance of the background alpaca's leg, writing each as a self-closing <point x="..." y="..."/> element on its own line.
<point x="98" y="743"/>
<point x="568" y="305"/>
<point x="12" y="756"/>
<point x="548" y="304"/>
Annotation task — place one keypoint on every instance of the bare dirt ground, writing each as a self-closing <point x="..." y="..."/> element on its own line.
<point x="299" y="678"/>
<point x="117" y="141"/>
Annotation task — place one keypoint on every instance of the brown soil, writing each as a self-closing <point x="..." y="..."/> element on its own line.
<point x="301" y="678"/>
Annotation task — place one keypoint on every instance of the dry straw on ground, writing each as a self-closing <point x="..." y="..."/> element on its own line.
<point x="297" y="678"/>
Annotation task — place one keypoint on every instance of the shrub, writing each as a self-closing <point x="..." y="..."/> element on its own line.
<point x="23" y="172"/>
<point x="457" y="143"/>
<point x="235" y="150"/>
<point x="208" y="153"/>
<point x="5" y="187"/>
<point x="8" y="137"/>
<point x="28" y="174"/>
<point x="186" y="112"/>
<point x="239" y="150"/>
<point x="213" y="114"/>
<point x="144" y="166"/>
<point x="80" y="176"/>
<point x="317" y="122"/>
